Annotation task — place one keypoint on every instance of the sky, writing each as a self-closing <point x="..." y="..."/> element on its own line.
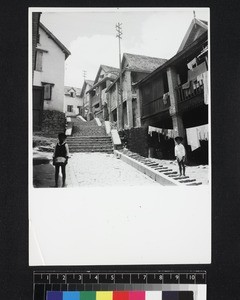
<point x="90" y="35"/>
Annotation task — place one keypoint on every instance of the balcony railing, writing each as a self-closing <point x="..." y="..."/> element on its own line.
<point x="186" y="93"/>
<point x="155" y="106"/>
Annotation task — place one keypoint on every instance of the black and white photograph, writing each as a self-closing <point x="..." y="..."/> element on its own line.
<point x="120" y="98"/>
<point x="119" y="136"/>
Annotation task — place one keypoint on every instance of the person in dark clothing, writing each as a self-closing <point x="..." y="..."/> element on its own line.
<point x="60" y="158"/>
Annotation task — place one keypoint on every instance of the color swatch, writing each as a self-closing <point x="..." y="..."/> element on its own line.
<point x="120" y="295"/>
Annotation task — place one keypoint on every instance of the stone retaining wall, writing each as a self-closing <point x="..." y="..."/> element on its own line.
<point x="136" y="140"/>
<point x="53" y="122"/>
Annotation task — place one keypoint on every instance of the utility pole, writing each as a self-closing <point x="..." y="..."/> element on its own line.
<point x="84" y="77"/>
<point x="119" y="36"/>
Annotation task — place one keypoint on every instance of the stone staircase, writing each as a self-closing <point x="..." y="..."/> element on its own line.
<point x="89" y="137"/>
<point x="185" y="180"/>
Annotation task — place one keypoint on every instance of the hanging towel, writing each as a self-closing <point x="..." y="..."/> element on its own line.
<point x="202" y="132"/>
<point x="205" y="85"/>
<point x="192" y="74"/>
<point x="191" y="64"/>
<point x="200" y="78"/>
<point x="186" y="85"/>
<point x="192" y="138"/>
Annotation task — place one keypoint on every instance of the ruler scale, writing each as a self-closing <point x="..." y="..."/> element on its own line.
<point x="119" y="285"/>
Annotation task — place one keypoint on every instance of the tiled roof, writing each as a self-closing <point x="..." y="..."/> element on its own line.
<point x="140" y="63"/>
<point x="143" y="63"/>
<point x="196" y="28"/>
<point x="52" y="36"/>
<point x="86" y="81"/>
<point x="203" y="21"/>
<point x="67" y="90"/>
<point x="106" y="69"/>
<point x="109" y="69"/>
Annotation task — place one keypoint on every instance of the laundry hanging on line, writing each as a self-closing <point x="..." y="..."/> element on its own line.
<point x="205" y="85"/>
<point x="166" y="132"/>
<point x="192" y="63"/>
<point x="195" y="135"/>
<point x="198" y="70"/>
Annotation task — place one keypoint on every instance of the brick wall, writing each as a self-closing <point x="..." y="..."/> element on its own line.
<point x="53" y="122"/>
<point x="136" y="140"/>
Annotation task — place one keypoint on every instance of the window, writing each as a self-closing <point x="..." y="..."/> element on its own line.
<point x="38" y="63"/>
<point x="70" y="108"/>
<point x="47" y="90"/>
<point x="72" y="94"/>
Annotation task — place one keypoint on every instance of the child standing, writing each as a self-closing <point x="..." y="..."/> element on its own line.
<point x="180" y="154"/>
<point x="60" y="158"/>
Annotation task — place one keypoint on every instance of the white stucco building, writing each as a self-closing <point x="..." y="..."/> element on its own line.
<point x="72" y="101"/>
<point x="48" y="78"/>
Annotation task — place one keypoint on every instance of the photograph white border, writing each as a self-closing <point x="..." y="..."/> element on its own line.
<point x="68" y="228"/>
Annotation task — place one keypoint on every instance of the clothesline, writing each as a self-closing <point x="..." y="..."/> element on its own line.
<point x="194" y="134"/>
<point x="167" y="132"/>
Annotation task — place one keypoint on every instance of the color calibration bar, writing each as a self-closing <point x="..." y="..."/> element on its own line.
<point x="121" y="295"/>
<point x="114" y="286"/>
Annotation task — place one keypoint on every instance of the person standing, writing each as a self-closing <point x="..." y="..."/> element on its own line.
<point x="180" y="154"/>
<point x="60" y="158"/>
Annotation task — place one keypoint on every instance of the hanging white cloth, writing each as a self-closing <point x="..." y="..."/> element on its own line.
<point x="205" y="85"/>
<point x="152" y="129"/>
<point x="203" y="132"/>
<point x="192" y="63"/>
<point x="192" y="138"/>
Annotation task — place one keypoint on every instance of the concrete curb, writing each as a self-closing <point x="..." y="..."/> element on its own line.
<point x="158" y="177"/>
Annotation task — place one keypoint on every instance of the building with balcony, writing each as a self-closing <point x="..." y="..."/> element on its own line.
<point x="84" y="95"/>
<point x="134" y="68"/>
<point x="72" y="101"/>
<point x="175" y="96"/>
<point x="99" y="99"/>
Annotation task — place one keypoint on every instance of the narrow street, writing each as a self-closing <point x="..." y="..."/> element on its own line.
<point x="101" y="169"/>
<point x="92" y="169"/>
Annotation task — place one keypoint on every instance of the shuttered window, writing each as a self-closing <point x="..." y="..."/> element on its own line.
<point x="39" y="57"/>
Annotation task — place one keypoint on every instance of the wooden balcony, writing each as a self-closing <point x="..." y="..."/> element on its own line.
<point x="188" y="93"/>
<point x="190" y="98"/>
<point x="155" y="106"/>
<point x="95" y="100"/>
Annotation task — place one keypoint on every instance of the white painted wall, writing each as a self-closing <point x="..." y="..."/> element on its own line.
<point x="53" y="64"/>
<point x="75" y="102"/>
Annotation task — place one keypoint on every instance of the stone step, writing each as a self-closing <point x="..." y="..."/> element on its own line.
<point x="195" y="183"/>
<point x="89" y="141"/>
<point x="187" y="180"/>
<point x="170" y="173"/>
<point x="165" y="171"/>
<point x="91" y="150"/>
<point x="91" y="147"/>
<point x="73" y="138"/>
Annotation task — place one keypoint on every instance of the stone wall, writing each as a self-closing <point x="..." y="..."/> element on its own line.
<point x="53" y="122"/>
<point x="136" y="140"/>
